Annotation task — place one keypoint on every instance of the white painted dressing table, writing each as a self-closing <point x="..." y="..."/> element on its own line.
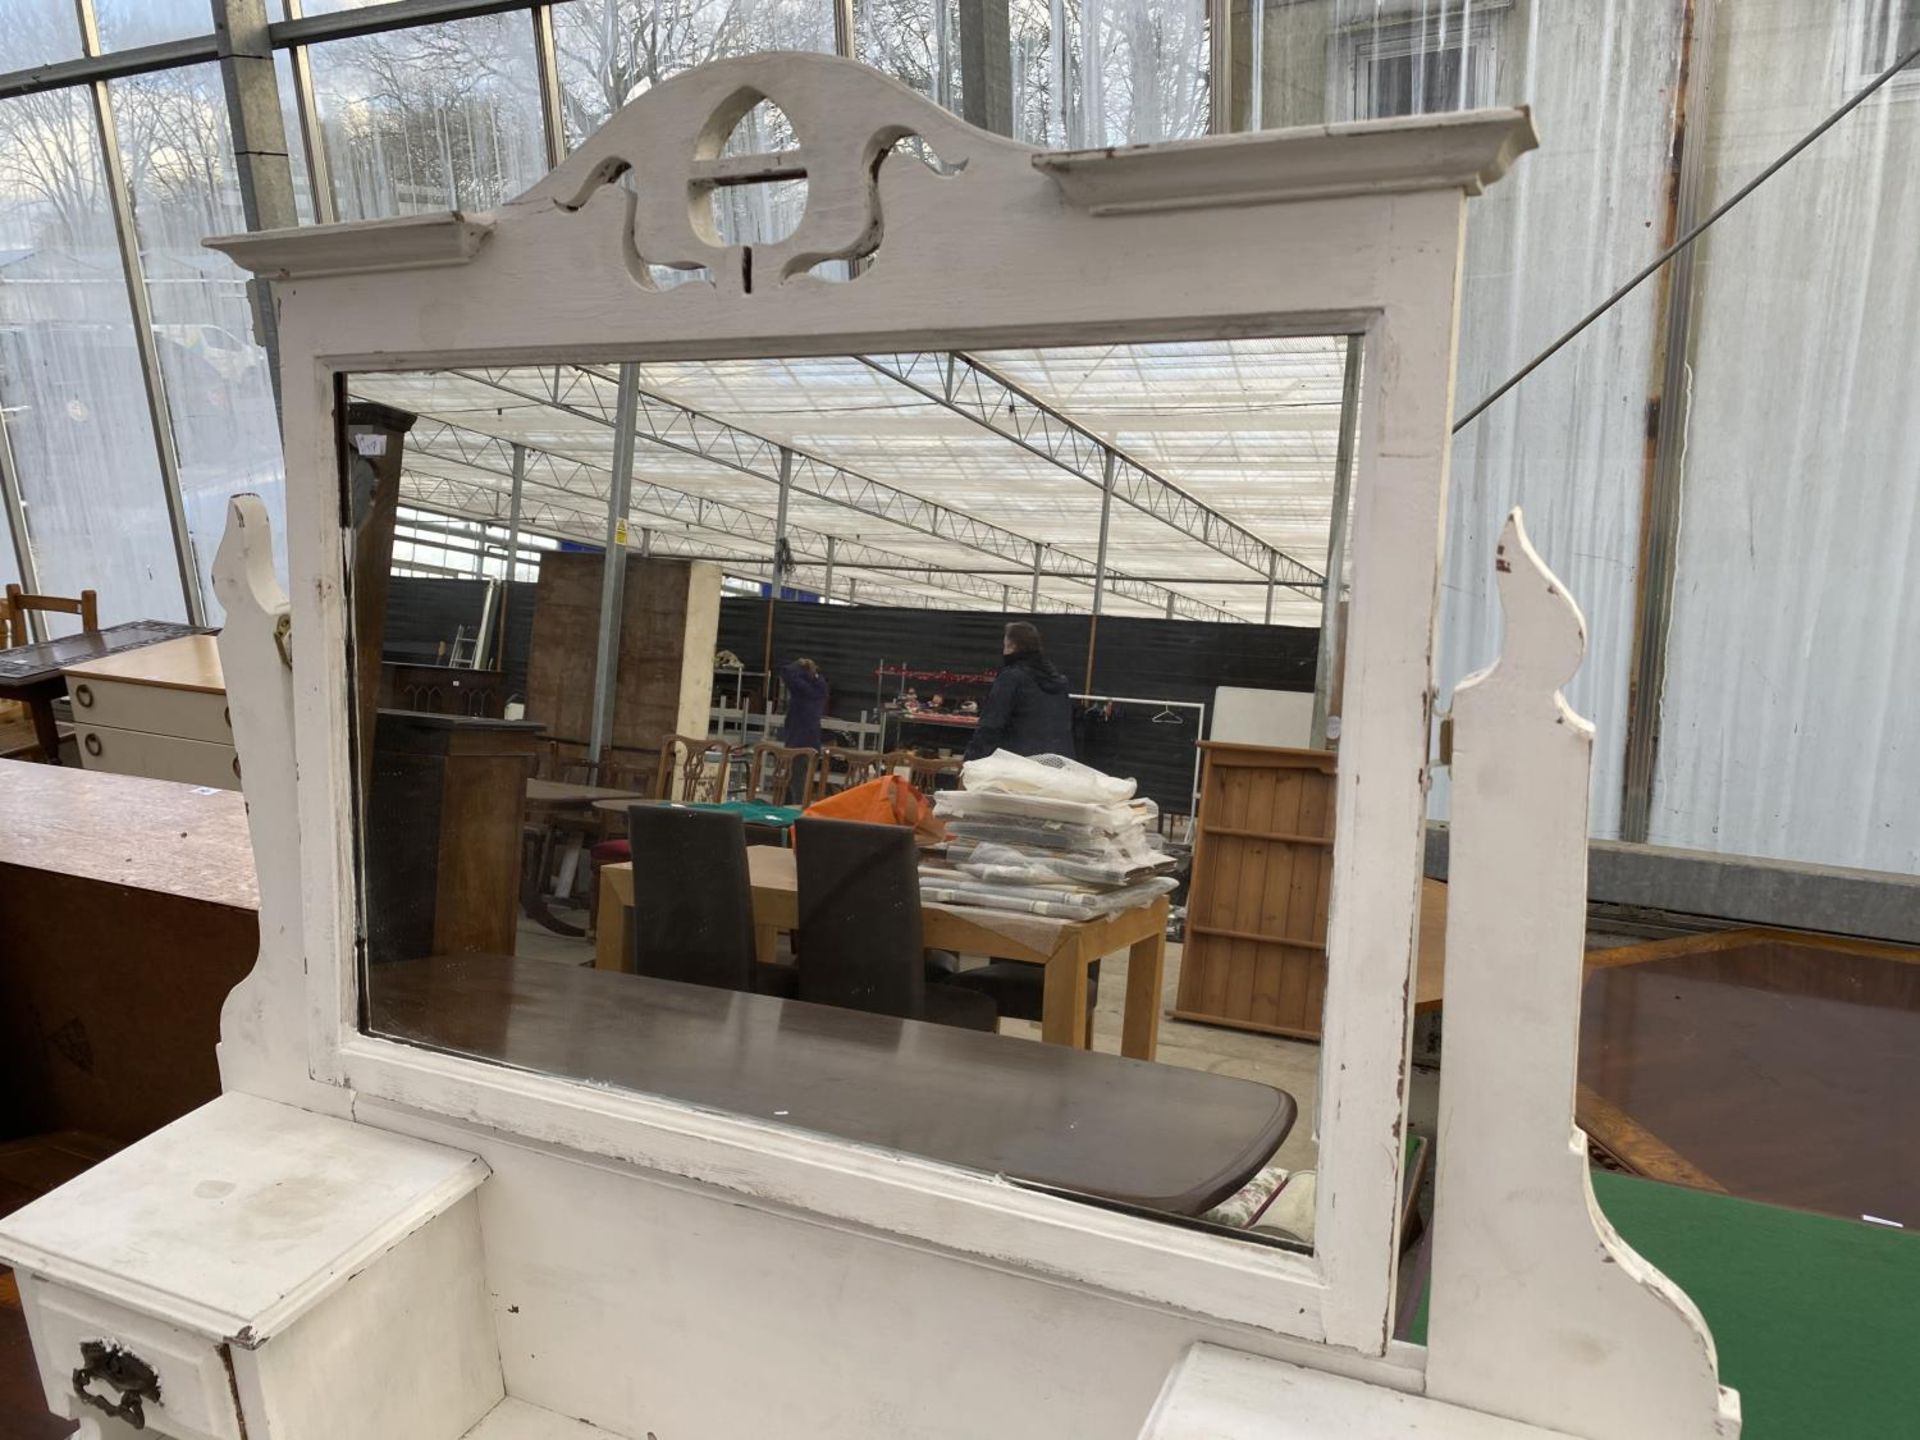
<point x="612" y="1263"/>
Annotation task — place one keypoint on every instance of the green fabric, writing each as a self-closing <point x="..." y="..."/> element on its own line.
<point x="1816" y="1319"/>
<point x="753" y="812"/>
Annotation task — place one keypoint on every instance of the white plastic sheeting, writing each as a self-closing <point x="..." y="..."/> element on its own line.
<point x="1791" y="723"/>
<point x="1574" y="219"/>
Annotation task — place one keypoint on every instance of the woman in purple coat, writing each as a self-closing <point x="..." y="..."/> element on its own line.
<point x="806" y="705"/>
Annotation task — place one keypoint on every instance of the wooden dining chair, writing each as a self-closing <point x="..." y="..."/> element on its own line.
<point x="692" y="770"/>
<point x="842" y="769"/>
<point x="19" y="603"/>
<point x="781" y="774"/>
<point x="924" y="772"/>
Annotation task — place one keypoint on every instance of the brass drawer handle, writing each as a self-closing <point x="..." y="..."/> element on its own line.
<point x="119" y="1370"/>
<point x="83" y="695"/>
<point x="92" y="742"/>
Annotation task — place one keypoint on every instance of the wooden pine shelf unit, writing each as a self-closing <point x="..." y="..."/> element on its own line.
<point x="1255" y="955"/>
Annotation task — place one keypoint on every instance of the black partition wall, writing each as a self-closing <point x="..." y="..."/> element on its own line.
<point x="1146" y="659"/>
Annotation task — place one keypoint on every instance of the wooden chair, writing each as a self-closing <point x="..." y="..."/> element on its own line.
<point x="686" y="773"/>
<point x="842" y="769"/>
<point x="924" y="772"/>
<point x="19" y="603"/>
<point x="771" y="776"/>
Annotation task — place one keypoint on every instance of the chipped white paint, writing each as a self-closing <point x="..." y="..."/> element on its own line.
<point x="626" y="1236"/>
<point x="984" y="248"/>
<point x="1539" y="1310"/>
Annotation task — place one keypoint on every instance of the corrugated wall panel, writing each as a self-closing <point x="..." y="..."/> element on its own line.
<point x="1791" y="723"/>
<point x="1573" y="220"/>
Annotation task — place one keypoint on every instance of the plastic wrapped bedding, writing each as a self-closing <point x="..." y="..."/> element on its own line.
<point x="991" y="804"/>
<point x="1050" y="775"/>
<point x="1052" y="835"/>
<point x="1005" y="865"/>
<point x="945" y="887"/>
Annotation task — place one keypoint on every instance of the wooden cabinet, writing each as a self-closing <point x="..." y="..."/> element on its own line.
<point x="159" y="711"/>
<point x="447" y="798"/>
<point x="1256" y="947"/>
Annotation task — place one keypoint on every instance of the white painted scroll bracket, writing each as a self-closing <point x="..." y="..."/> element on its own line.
<point x="263" y="1045"/>
<point x="1539" y="1311"/>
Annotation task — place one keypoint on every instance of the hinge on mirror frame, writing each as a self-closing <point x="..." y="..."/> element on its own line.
<point x="1446" y="740"/>
<point x="283" y="637"/>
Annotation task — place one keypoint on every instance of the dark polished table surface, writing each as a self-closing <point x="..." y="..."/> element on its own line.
<point x="1143" y="1134"/>
<point x="40" y="664"/>
<point x="1774" y="1066"/>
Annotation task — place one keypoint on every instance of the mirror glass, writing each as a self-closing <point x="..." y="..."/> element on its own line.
<point x="944" y="763"/>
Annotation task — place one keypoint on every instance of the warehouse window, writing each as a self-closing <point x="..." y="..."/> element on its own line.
<point x="1888" y="30"/>
<point x="1422" y="66"/>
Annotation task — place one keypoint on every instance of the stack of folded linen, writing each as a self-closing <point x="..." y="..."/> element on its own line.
<point x="1045" y="835"/>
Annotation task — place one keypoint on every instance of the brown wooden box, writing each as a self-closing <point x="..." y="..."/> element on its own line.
<point x="1256" y="946"/>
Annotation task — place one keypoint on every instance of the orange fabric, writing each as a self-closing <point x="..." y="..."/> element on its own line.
<point x="887" y="800"/>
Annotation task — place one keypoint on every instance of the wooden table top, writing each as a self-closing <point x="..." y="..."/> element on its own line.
<point x="28" y="667"/>
<point x="564" y="793"/>
<point x="1778" y="1067"/>
<point x="186" y="840"/>
<point x="191" y="662"/>
<point x="1157" y="1136"/>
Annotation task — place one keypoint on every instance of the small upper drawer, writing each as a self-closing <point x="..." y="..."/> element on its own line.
<point x="156" y="709"/>
<point x="89" y="1348"/>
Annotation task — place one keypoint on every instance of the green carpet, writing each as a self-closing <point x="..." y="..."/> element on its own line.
<point x="1817" y="1320"/>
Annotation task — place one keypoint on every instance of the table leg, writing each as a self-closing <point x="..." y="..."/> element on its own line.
<point x="1146" y="968"/>
<point x="766" y="944"/>
<point x="610" y="939"/>
<point x="1063" y="1002"/>
<point x="533" y="897"/>
<point x="44" y="730"/>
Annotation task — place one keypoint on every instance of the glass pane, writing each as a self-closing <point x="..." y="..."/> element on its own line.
<point x="1360" y="60"/>
<point x="609" y="51"/>
<point x="917" y="42"/>
<point x="296" y="145"/>
<point x="445" y="117"/>
<point x="126" y="23"/>
<point x="173" y="133"/>
<point x="70" y="371"/>
<point x="670" y="995"/>
<point x="38" y="32"/>
<point x="1137" y="71"/>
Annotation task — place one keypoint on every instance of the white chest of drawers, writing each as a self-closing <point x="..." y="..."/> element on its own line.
<point x="160" y="711"/>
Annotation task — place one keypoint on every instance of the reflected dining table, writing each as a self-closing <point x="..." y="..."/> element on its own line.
<point x="1066" y="948"/>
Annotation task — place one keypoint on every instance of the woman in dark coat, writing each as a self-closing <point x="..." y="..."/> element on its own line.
<point x="1029" y="710"/>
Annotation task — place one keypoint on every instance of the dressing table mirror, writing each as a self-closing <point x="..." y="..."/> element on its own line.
<point x="411" y="1217"/>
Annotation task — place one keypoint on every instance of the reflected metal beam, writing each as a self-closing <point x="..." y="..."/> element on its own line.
<point x="436" y="438"/>
<point x="964" y="385"/>
<point x="573" y="390"/>
<point x="613" y="570"/>
<point x="17" y="526"/>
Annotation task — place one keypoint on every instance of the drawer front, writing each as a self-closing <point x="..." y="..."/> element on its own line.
<point x="159" y="757"/>
<point x="196" y="1395"/>
<point x="188" y="714"/>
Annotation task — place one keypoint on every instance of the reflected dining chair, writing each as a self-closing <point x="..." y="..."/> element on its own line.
<point x="781" y="774"/>
<point x="842" y="769"/>
<point x="692" y="769"/>
<point x="693" y="902"/>
<point x="859" y="940"/>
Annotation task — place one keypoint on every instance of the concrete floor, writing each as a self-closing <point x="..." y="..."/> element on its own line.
<point x="1290" y="1065"/>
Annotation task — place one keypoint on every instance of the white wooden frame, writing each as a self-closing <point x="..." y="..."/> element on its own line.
<point x="1327" y="230"/>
